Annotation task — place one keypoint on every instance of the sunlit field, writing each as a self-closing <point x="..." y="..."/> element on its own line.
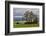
<point x="21" y="24"/>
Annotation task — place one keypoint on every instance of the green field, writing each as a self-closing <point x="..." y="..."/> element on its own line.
<point x="22" y="25"/>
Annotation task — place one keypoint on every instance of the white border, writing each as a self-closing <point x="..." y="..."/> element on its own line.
<point x="25" y="29"/>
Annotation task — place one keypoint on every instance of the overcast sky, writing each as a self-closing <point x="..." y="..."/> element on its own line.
<point x="21" y="11"/>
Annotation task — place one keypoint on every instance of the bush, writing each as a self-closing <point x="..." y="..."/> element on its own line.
<point x="27" y="22"/>
<point x="17" y="23"/>
<point x="34" y="22"/>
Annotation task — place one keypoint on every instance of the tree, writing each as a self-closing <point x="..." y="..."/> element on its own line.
<point x="26" y="14"/>
<point x="30" y="16"/>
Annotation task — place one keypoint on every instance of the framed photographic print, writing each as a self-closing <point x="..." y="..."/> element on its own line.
<point x="24" y="17"/>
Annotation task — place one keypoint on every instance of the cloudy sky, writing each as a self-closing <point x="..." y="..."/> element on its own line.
<point x="21" y="11"/>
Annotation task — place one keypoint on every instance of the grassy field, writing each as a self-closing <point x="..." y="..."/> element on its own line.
<point x="21" y="24"/>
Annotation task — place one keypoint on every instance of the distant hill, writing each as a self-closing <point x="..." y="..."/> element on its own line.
<point x="19" y="18"/>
